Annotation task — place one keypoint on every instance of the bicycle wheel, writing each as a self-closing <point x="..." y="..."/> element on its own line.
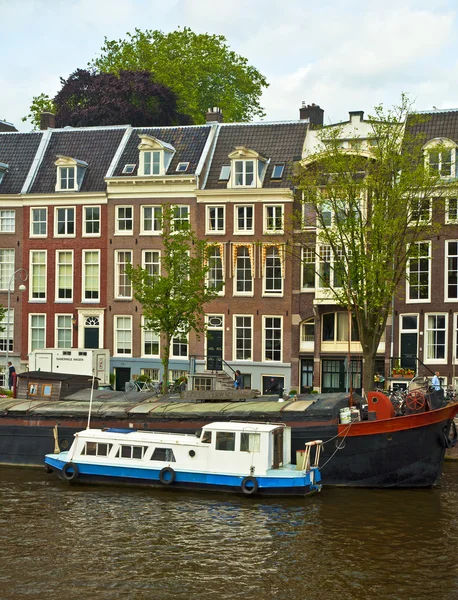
<point x="129" y="386"/>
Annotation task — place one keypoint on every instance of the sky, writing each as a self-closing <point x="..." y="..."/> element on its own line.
<point x="343" y="55"/>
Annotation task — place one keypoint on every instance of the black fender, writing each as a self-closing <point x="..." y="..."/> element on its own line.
<point x="249" y="485"/>
<point x="167" y="476"/>
<point x="70" y="471"/>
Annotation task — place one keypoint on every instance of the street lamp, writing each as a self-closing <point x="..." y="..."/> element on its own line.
<point x="22" y="276"/>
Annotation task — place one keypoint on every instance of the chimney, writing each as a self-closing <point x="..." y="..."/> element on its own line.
<point x="47" y="120"/>
<point x="356" y="116"/>
<point x="313" y="112"/>
<point x="5" y="126"/>
<point x="214" y="114"/>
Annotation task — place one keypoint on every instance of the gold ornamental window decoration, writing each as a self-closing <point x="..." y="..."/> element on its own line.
<point x="220" y="246"/>
<point x="235" y="248"/>
<point x="281" y="253"/>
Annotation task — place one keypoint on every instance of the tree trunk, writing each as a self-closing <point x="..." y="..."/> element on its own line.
<point x="165" y="364"/>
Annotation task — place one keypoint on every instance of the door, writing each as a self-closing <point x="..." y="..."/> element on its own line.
<point x="91" y="337"/>
<point x="409" y="351"/>
<point x="278" y="448"/>
<point x="122" y="377"/>
<point x="335" y="376"/>
<point x="214" y="350"/>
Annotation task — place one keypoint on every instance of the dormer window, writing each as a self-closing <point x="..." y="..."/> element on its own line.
<point x="248" y="168"/>
<point x="3" y="170"/>
<point x="440" y="157"/>
<point x="155" y="156"/>
<point x="70" y="174"/>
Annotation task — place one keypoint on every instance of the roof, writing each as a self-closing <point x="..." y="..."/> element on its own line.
<point x="243" y="426"/>
<point x="189" y="143"/>
<point x="434" y="124"/>
<point x="281" y="143"/>
<point x="17" y="150"/>
<point x="49" y="376"/>
<point x="94" y="145"/>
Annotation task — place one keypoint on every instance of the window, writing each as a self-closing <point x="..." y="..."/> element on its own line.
<point x="37" y="334"/>
<point x="215" y="268"/>
<point x="180" y="346"/>
<point x="308" y="269"/>
<point x="308" y="332"/>
<point x="91" y="275"/>
<point x="67" y="178"/>
<point x="64" y="275"/>
<point x="96" y="449"/>
<point x="38" y="274"/>
<point x="64" y="222"/>
<point x="225" y="173"/>
<point x="436" y="337"/>
<point x="152" y="374"/>
<point x="451" y="214"/>
<point x="39" y="222"/>
<point x="419" y="269"/>
<point x="128" y="169"/>
<point x="324" y="266"/>
<point x="272" y="338"/>
<point x="152" y="262"/>
<point x="123" y="335"/>
<point x="150" y="341"/>
<point x="243" y="326"/>
<point x="124" y="219"/>
<point x="155" y="155"/>
<point x="70" y="174"/>
<point x="277" y="171"/>
<point x="152" y="219"/>
<point x="3" y="170"/>
<point x="63" y="331"/>
<point x="180" y="217"/>
<point x="225" y="440"/>
<point x="123" y="286"/>
<point x="215" y="219"/>
<point x="273" y="271"/>
<point x="6" y="335"/>
<point x="135" y="452"/>
<point x="442" y="161"/>
<point x="6" y="268"/>
<point x="46" y="389"/>
<point x="452" y="270"/>
<point x="421" y="210"/>
<point x="250" y="442"/>
<point x="244" y="219"/>
<point x="163" y="454"/>
<point x="243" y="270"/>
<point x="274" y="219"/>
<point x="91" y="221"/>
<point x="7" y="221"/>
<point x="182" y="167"/>
<point x="335" y="328"/>
<point x="152" y="162"/>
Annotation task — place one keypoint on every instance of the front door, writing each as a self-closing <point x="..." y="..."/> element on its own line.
<point x="409" y="350"/>
<point x="91" y="337"/>
<point x="278" y="448"/>
<point x="335" y="376"/>
<point x="122" y="377"/>
<point x="214" y="350"/>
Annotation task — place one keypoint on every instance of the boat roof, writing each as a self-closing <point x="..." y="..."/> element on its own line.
<point x="242" y="426"/>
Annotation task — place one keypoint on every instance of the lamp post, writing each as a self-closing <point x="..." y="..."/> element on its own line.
<point x="22" y="275"/>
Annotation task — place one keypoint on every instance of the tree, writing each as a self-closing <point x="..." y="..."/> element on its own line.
<point x="200" y="68"/>
<point x="40" y="104"/>
<point x="370" y="205"/>
<point x="90" y="99"/>
<point x="173" y="300"/>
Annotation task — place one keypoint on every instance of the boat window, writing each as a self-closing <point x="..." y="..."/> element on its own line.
<point x="33" y="389"/>
<point x="250" y="442"/>
<point x="163" y="454"/>
<point x="132" y="452"/>
<point x="46" y="390"/>
<point x="225" y="440"/>
<point x="96" y="449"/>
<point x="91" y="448"/>
<point x="207" y="437"/>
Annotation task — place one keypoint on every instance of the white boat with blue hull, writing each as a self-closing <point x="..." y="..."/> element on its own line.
<point x="245" y="458"/>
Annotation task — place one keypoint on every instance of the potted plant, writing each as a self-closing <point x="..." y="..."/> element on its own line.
<point x="397" y="371"/>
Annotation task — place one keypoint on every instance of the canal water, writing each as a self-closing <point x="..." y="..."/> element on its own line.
<point x="67" y="542"/>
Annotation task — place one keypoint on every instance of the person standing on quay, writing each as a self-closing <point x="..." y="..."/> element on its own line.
<point x="435" y="382"/>
<point x="238" y="384"/>
<point x="11" y="370"/>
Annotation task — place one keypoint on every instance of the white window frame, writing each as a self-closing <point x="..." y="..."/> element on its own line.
<point x="67" y="221"/>
<point x="427" y="359"/>
<point x="85" y="277"/>
<point x="119" y="277"/>
<point x="149" y="336"/>
<point x="156" y="221"/>
<point x="241" y="174"/>
<point x="7" y="215"/>
<point x="270" y="220"/>
<point x="236" y="271"/>
<point x="32" y="276"/>
<point x="410" y="300"/>
<point x="308" y="257"/>
<point x="152" y="266"/>
<point x="33" y="222"/>
<point x="221" y="249"/>
<point x="219" y="229"/>
<point x="58" y="266"/>
<point x="278" y="260"/>
<point x="64" y="175"/>
<point x="451" y="219"/>
<point x="7" y="335"/>
<point x="86" y="221"/>
<point x="425" y="212"/>
<point x="127" y="319"/>
<point x="178" y="217"/>
<point x="125" y="219"/>
<point x="264" y="338"/>
<point x="244" y="230"/>
<point x="30" y="336"/>
<point x="247" y="349"/>
<point x="68" y="318"/>
<point x="179" y="339"/>
<point x="444" y="147"/>
<point x="7" y="268"/>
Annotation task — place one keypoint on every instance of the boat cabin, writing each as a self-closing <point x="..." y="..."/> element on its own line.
<point x="45" y="385"/>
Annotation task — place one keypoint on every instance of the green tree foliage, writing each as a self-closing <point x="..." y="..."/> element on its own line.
<point x="173" y="301"/>
<point x="40" y="104"/>
<point x="362" y="211"/>
<point x="200" y="68"/>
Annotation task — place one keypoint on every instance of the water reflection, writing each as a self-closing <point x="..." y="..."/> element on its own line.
<point x="69" y="542"/>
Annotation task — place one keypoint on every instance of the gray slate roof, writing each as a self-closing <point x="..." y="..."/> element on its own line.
<point x="96" y="146"/>
<point x="188" y="142"/>
<point x="434" y="124"/>
<point x="282" y="143"/>
<point x="18" y="151"/>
